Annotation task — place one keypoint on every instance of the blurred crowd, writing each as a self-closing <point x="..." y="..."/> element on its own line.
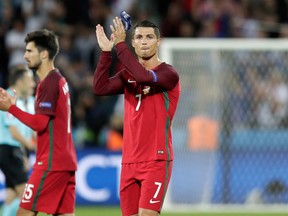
<point x="259" y="90"/>
<point x="97" y="121"/>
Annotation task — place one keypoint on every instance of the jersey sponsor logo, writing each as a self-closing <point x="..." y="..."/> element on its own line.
<point x="131" y="81"/>
<point x="154" y="201"/>
<point x="45" y="104"/>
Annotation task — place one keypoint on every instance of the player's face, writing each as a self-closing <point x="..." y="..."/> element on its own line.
<point x="145" y="42"/>
<point x="32" y="56"/>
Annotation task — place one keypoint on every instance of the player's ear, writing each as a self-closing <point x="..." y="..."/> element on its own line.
<point x="44" y="54"/>
<point x="133" y="42"/>
<point x="159" y="42"/>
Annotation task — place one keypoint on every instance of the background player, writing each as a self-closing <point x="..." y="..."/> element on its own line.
<point x="15" y="137"/>
<point x="51" y="186"/>
<point x="151" y="90"/>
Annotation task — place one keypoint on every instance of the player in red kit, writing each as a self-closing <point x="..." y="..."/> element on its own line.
<point x="151" y="91"/>
<point x="51" y="186"/>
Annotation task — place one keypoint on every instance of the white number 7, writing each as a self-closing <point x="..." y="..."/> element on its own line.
<point x="139" y="101"/>
<point x="158" y="189"/>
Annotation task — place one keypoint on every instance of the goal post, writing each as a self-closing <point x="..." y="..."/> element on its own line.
<point x="230" y="131"/>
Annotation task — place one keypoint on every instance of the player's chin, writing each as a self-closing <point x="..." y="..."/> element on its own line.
<point x="147" y="57"/>
<point x="32" y="67"/>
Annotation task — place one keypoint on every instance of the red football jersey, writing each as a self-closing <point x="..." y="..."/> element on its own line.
<point x="151" y="98"/>
<point x="147" y="121"/>
<point x="55" y="148"/>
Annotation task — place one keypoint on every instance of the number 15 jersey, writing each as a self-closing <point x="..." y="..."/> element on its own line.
<point x="55" y="148"/>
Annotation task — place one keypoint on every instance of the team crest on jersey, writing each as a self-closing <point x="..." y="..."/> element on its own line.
<point x="146" y="90"/>
<point x="45" y="104"/>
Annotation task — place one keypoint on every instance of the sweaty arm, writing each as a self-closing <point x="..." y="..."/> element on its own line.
<point x="164" y="76"/>
<point x="37" y="122"/>
<point x="103" y="84"/>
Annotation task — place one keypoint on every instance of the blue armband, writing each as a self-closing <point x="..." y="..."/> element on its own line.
<point x="155" y="78"/>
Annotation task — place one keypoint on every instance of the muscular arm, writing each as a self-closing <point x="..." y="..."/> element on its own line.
<point x="102" y="83"/>
<point x="37" y="122"/>
<point x="163" y="78"/>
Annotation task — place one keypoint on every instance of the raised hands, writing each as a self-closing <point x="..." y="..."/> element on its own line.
<point x="6" y="100"/>
<point x="118" y="30"/>
<point x="118" y="35"/>
<point x="104" y="43"/>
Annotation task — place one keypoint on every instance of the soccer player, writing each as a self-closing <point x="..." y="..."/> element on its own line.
<point x="51" y="186"/>
<point x="151" y="90"/>
<point x="15" y="137"/>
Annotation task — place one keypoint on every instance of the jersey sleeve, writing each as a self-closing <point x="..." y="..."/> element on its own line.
<point x="47" y="97"/>
<point x="103" y="84"/>
<point x="163" y="79"/>
<point x="37" y="122"/>
<point x="167" y="77"/>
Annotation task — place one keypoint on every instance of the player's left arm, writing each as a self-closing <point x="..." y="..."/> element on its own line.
<point x="165" y="78"/>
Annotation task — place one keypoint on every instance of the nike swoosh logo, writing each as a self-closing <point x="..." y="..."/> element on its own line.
<point x="25" y="201"/>
<point x="131" y="81"/>
<point x="154" y="201"/>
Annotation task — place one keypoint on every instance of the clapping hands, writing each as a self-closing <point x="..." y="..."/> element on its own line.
<point x="6" y="100"/>
<point x="118" y="35"/>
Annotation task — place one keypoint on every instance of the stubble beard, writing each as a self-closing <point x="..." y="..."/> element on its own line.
<point x="146" y="57"/>
<point x="36" y="66"/>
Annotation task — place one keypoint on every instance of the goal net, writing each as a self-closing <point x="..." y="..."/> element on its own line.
<point x="230" y="132"/>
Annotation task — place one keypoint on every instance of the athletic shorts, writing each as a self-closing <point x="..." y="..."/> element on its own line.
<point x="12" y="165"/>
<point x="144" y="185"/>
<point x="50" y="192"/>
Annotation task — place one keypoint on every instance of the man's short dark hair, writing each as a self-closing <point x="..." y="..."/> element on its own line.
<point x="44" y="40"/>
<point x="146" y="23"/>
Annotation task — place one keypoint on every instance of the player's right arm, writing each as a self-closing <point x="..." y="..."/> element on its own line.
<point x="103" y="84"/>
<point x="37" y="122"/>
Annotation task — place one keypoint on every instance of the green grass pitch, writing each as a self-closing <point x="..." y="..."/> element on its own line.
<point x="115" y="211"/>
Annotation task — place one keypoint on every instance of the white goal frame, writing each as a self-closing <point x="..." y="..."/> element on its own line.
<point x="168" y="45"/>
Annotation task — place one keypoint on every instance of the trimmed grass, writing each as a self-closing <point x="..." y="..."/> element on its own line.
<point x="115" y="211"/>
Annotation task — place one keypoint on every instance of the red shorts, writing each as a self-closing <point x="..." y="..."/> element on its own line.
<point x="50" y="192"/>
<point x="143" y="185"/>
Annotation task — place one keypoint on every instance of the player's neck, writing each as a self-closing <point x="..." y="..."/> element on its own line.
<point x="45" y="69"/>
<point x="150" y="63"/>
